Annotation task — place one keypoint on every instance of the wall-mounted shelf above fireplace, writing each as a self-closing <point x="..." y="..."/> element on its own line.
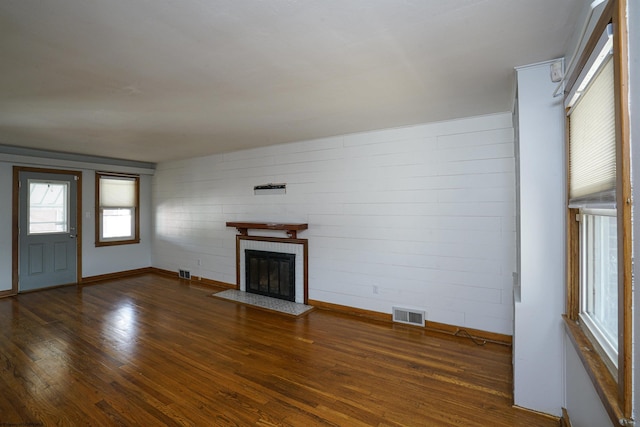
<point x="270" y="189"/>
<point x="290" y="228"/>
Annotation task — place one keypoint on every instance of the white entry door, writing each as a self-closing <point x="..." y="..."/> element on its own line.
<point x="47" y="239"/>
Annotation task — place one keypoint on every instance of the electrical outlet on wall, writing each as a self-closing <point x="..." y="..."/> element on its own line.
<point x="375" y="289"/>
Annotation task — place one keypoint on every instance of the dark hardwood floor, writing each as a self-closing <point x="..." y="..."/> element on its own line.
<point x="150" y="350"/>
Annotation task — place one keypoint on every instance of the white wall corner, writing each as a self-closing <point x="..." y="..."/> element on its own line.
<point x="538" y="332"/>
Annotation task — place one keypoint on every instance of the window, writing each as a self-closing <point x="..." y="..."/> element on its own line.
<point x="117" y="213"/>
<point x="599" y="279"/>
<point x="592" y="190"/>
<point x="48" y="207"/>
<point x="599" y="285"/>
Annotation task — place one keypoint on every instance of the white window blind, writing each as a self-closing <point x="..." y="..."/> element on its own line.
<point x="117" y="192"/>
<point x="592" y="142"/>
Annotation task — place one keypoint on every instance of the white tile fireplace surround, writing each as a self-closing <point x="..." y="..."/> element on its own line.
<point x="281" y="247"/>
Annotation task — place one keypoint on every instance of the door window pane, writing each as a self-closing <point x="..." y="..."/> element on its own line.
<point x="48" y="207"/>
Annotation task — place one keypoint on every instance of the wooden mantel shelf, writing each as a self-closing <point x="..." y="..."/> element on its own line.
<point x="291" y="229"/>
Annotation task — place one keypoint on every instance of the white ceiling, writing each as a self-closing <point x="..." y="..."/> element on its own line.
<point x="154" y="80"/>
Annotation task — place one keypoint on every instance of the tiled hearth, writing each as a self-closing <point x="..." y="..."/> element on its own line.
<point x="282" y="306"/>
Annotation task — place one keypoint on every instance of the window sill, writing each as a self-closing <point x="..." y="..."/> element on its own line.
<point x="604" y="383"/>
<point x="117" y="242"/>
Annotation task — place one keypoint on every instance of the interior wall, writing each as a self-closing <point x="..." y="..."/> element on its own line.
<point x="421" y="216"/>
<point x="581" y="399"/>
<point x="538" y="329"/>
<point x="95" y="261"/>
<point x="111" y="259"/>
<point x="6" y="177"/>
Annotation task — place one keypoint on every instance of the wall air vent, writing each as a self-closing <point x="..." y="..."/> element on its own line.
<point x="409" y="316"/>
<point x="270" y="189"/>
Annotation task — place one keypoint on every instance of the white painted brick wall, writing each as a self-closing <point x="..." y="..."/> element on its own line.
<point x="424" y="213"/>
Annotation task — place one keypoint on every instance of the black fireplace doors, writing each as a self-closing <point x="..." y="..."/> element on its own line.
<point x="270" y="273"/>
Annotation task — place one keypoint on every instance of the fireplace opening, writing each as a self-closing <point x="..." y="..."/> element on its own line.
<point x="271" y="274"/>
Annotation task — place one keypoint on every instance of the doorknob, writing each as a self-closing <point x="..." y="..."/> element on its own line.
<point x="72" y="236"/>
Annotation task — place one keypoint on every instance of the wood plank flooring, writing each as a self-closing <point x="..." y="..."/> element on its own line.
<point x="150" y="350"/>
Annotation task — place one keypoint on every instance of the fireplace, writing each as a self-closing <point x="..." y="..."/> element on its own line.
<point x="277" y="246"/>
<point x="271" y="274"/>
<point x="290" y="246"/>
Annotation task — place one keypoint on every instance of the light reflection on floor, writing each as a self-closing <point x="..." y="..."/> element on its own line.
<point x="121" y="328"/>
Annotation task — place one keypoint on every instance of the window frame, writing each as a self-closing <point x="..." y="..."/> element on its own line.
<point x="99" y="241"/>
<point x="614" y="388"/>
<point x="596" y="332"/>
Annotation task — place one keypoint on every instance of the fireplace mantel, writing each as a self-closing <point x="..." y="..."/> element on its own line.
<point x="290" y="228"/>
